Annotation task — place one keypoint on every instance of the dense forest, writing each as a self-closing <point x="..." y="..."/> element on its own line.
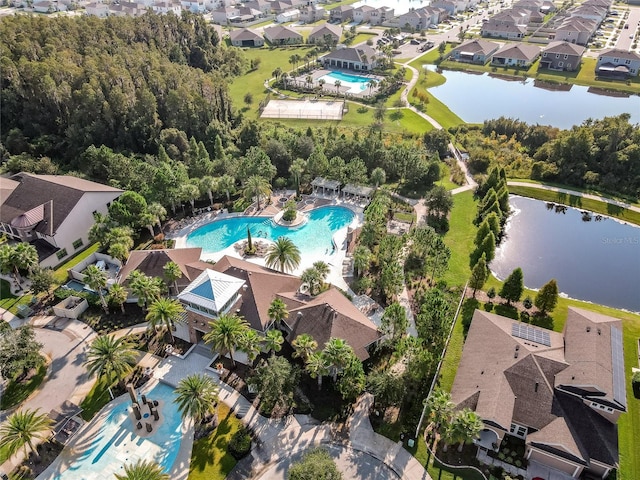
<point x="68" y="83"/>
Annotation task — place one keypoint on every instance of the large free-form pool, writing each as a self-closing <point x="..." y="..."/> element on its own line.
<point x="312" y="238"/>
<point x="356" y="83"/>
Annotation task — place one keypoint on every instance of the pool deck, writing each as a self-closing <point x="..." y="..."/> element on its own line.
<point x="335" y="259"/>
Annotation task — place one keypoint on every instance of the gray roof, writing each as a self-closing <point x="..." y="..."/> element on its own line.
<point x="622" y="54"/>
<point x="326" y="29"/>
<point x="564" y="48"/>
<point x="280" y="32"/>
<point x="359" y="190"/>
<point x="244" y="34"/>
<point x="477" y="45"/>
<point x="352" y="54"/>
<point x="518" y="51"/>
<point x="325" y="183"/>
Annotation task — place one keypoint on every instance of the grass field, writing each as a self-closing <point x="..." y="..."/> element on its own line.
<point x="460" y="238"/>
<point x="9" y="301"/>
<point x="621" y="198"/>
<point x="60" y="274"/>
<point x="16" y="393"/>
<point x="578" y="202"/>
<point x="209" y="457"/>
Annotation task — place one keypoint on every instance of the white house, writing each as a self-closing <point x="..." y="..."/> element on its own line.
<point x="288" y="16"/>
<point x="97" y="9"/>
<point x="52" y="212"/>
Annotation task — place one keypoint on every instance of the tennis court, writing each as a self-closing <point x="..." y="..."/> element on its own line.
<point x="303" y="109"/>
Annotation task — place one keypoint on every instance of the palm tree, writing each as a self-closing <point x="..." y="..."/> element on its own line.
<point x="283" y="255"/>
<point x="338" y="353"/>
<point x="465" y="427"/>
<point x="227" y="184"/>
<point x="108" y="356"/>
<point x="196" y="396"/>
<point x="209" y="185"/>
<point x="313" y="279"/>
<point x="22" y="429"/>
<point x="257" y="186"/>
<point x="322" y="268"/>
<point x="304" y="346"/>
<point x="278" y="312"/>
<point x="96" y="279"/>
<point x="250" y="343"/>
<point x="143" y="470"/>
<point x="226" y="334"/>
<point x="118" y="295"/>
<point x="22" y="256"/>
<point x="371" y="84"/>
<point x="337" y="83"/>
<point x="296" y="170"/>
<point x="361" y="259"/>
<point x="172" y="273"/>
<point x="119" y="250"/>
<point x="317" y="366"/>
<point x="273" y="341"/>
<point x="440" y="408"/>
<point x="158" y="212"/>
<point x="165" y="312"/>
<point x="284" y="78"/>
<point x="378" y="176"/>
<point x="321" y="82"/>
<point x="189" y="191"/>
<point x="309" y="81"/>
<point x="144" y="287"/>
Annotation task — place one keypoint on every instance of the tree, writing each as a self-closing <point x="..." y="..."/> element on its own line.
<point x="96" y="279"/>
<point x="387" y="388"/>
<point x="273" y="341"/>
<point x="129" y="210"/>
<point x="257" y="187"/>
<point x="316" y="464"/>
<point x="109" y="356"/>
<point x="337" y="83"/>
<point x="144" y="288"/>
<point x="274" y="380"/>
<point x="142" y="470"/>
<point x="296" y="169"/>
<point x="361" y="259"/>
<point x="378" y="176"/>
<point x="208" y="185"/>
<point x="439" y="201"/>
<point x="487" y="248"/>
<point x="19" y="258"/>
<point x="227" y="184"/>
<point x="19" y="352"/>
<point x="304" y="345"/>
<point x="196" y="396"/>
<point x="22" y="430"/>
<point x="337" y="353"/>
<point x="394" y="321"/>
<point x="41" y="280"/>
<point x="226" y="334"/>
<point x="513" y="286"/>
<point x="479" y="274"/>
<point x="352" y="380"/>
<point x="440" y="408"/>
<point x="380" y="112"/>
<point x="547" y="297"/>
<point x="117" y="295"/>
<point x="278" y="312"/>
<point x="465" y="427"/>
<point x="317" y="366"/>
<point x="313" y="279"/>
<point x="250" y="343"/>
<point x="165" y="312"/>
<point x="172" y="273"/>
<point x="119" y="251"/>
<point x="283" y="255"/>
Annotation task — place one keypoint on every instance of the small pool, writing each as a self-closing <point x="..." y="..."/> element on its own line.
<point x="75" y="285"/>
<point x="356" y="83"/>
<point x="312" y="238"/>
<point x="106" y="452"/>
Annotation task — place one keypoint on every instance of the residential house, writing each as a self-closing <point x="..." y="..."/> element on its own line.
<point x="261" y="5"/>
<point x="421" y="18"/>
<point x="513" y="16"/>
<point x="279" y="6"/>
<point x="327" y="33"/>
<point x="503" y="30"/>
<point x="576" y="30"/>
<point x="152" y="263"/>
<point x="47" y="6"/>
<point x="561" y="55"/>
<point x="127" y="9"/>
<point x="221" y="15"/>
<point x="288" y="16"/>
<point x="236" y="14"/>
<point x="448" y="6"/>
<point x="163" y="6"/>
<point x="311" y="13"/>
<point x="362" y="14"/>
<point x="381" y="15"/>
<point x="616" y="63"/>
<point x="195" y="6"/>
<point x="341" y="14"/>
<point x="544" y="6"/>
<point x="476" y="51"/>
<point x="244" y="288"/>
<point x="360" y="58"/>
<point x="280" y="35"/>
<point x="97" y="9"/>
<point x="515" y="55"/>
<point x="245" y="37"/>
<point x="52" y="212"/>
<point x="560" y="393"/>
<point x="590" y="12"/>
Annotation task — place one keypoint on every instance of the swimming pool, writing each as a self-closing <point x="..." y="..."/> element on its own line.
<point x="116" y="443"/>
<point x="356" y="83"/>
<point x="312" y="238"/>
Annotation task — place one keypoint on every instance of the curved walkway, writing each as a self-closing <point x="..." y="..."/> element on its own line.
<point x="566" y="191"/>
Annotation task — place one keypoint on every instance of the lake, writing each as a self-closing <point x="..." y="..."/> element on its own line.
<point x="597" y="261"/>
<point x="476" y="98"/>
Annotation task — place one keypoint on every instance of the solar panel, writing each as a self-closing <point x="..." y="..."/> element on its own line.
<point x="617" y="360"/>
<point x="526" y="332"/>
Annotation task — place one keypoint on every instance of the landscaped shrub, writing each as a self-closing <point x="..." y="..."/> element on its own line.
<point x="501" y="456"/>
<point x="635" y="384"/>
<point x="240" y="444"/>
<point x="289" y="215"/>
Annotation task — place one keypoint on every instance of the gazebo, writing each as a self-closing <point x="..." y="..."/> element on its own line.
<point x="325" y="184"/>
<point x="359" y="192"/>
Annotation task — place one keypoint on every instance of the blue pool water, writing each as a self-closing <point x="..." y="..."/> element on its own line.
<point x="116" y="443"/>
<point x="356" y="83"/>
<point x="312" y="238"/>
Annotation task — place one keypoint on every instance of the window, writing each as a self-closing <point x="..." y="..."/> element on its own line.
<point x="518" y="430"/>
<point x="61" y="253"/>
<point x="557" y="55"/>
<point x="601" y="407"/>
<point x="560" y="64"/>
<point x="544" y="54"/>
<point x="568" y="65"/>
<point x="77" y="244"/>
<point x="566" y="56"/>
<point x="627" y="62"/>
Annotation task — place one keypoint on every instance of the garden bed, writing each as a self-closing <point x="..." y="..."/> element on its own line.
<point x="34" y="466"/>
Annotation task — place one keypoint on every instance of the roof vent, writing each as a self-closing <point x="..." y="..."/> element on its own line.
<point x="515" y="355"/>
<point x="588" y="329"/>
<point x="299" y="314"/>
<point x="536" y="387"/>
<point x="599" y="332"/>
<point x="244" y="287"/>
<point x="517" y="347"/>
<point x="482" y="372"/>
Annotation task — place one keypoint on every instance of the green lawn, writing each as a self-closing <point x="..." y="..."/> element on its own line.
<point x="4" y="454"/>
<point x="613" y="196"/>
<point x="16" y="393"/>
<point x="9" y="301"/>
<point x="460" y="238"/>
<point x="97" y="398"/>
<point x="209" y="457"/>
<point x="578" y="202"/>
<point x="60" y="275"/>
<point x="363" y="37"/>
<point x="445" y="175"/>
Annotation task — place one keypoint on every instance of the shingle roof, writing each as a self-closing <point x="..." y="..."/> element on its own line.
<point x="320" y="31"/>
<point x="352" y="54"/>
<point x="243" y="34"/>
<point x="476" y="46"/>
<point x="280" y="32"/>
<point x="622" y="54"/>
<point x="62" y="192"/>
<point x="564" y="48"/>
<point x="152" y="262"/>
<point x="518" y="51"/>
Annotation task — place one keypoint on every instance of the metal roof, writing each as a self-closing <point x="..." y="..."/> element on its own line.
<point x="211" y="290"/>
